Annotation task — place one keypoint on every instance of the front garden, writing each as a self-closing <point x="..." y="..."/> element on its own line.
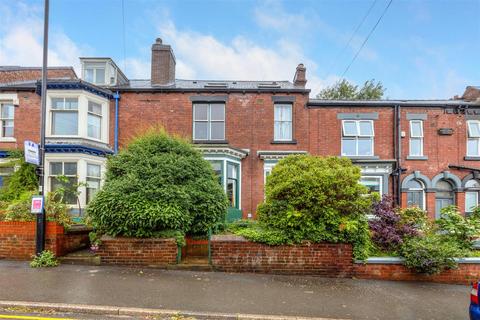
<point x="314" y="212"/>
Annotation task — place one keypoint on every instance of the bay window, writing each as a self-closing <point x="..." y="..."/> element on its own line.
<point x="357" y="138"/>
<point x="64" y="116"/>
<point x="473" y="142"/>
<point x="283" y="122"/>
<point x="416" y="138"/>
<point x="373" y="183"/>
<point x="209" y="121"/>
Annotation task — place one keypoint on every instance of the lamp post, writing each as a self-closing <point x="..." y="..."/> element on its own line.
<point x="41" y="219"/>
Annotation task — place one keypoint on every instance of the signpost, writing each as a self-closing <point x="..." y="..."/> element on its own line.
<point x="37" y="205"/>
<point x="32" y="153"/>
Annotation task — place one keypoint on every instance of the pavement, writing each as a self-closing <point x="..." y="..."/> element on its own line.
<point x="231" y="294"/>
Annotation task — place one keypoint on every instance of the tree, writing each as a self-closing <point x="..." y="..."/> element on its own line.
<point x="344" y="90"/>
<point x="158" y="183"/>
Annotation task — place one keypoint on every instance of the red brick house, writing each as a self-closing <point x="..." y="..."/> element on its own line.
<point x="424" y="153"/>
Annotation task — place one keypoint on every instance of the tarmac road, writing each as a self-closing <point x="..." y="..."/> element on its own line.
<point x="233" y="293"/>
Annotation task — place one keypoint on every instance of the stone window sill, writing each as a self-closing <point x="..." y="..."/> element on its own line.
<point x="471" y="158"/>
<point x="417" y="158"/>
<point x="361" y="157"/>
<point x="210" y="141"/>
<point x="8" y="140"/>
<point x="284" y="142"/>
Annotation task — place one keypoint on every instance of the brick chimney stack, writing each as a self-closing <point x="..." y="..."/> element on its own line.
<point x="163" y="64"/>
<point x="300" y="79"/>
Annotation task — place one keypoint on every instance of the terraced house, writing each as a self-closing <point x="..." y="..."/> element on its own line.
<point x="423" y="153"/>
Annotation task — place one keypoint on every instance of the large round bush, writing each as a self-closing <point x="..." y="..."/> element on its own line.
<point x="158" y="183"/>
<point x="317" y="199"/>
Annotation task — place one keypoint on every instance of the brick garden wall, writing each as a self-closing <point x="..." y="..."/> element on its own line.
<point x="138" y="252"/>
<point x="465" y="274"/>
<point x="17" y="240"/>
<point x="235" y="254"/>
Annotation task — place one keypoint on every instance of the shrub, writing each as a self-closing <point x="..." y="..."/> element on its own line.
<point x="314" y="199"/>
<point x="24" y="179"/>
<point x="459" y="228"/>
<point x="158" y="183"/>
<point x="19" y="210"/>
<point x="431" y="253"/>
<point x="45" y="259"/>
<point x="390" y="227"/>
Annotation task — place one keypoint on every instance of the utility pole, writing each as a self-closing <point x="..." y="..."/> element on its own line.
<point x="41" y="218"/>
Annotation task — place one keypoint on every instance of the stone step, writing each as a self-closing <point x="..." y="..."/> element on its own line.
<point x="81" y="257"/>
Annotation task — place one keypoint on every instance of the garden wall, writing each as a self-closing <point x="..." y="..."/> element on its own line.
<point x="393" y="269"/>
<point x="17" y="239"/>
<point x="235" y="254"/>
<point x="138" y="252"/>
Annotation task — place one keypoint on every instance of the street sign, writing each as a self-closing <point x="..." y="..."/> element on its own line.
<point x="37" y="205"/>
<point x="32" y="153"/>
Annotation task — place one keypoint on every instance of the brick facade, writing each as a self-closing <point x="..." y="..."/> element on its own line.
<point x="163" y="101"/>
<point x="138" y="252"/>
<point x="17" y="240"/>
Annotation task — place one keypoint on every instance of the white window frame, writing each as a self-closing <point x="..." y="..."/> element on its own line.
<point x="209" y="121"/>
<point x="83" y="98"/>
<point x="53" y="111"/>
<point x="358" y="136"/>
<point x="379" y="178"/>
<point x="275" y="121"/>
<point x="52" y="176"/>
<point x="94" y="114"/>
<point x="87" y="178"/>
<point x="416" y="137"/>
<point x="2" y="120"/>
<point x="95" y="70"/>
<point x="476" y="200"/>
<point x="472" y="137"/>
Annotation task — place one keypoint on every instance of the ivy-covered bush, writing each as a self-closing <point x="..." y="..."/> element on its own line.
<point x="24" y="179"/>
<point x="316" y="199"/>
<point x="158" y="183"/>
<point x="390" y="226"/>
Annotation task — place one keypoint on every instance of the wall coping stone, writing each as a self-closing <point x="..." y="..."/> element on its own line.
<point x="228" y="237"/>
<point x="398" y="260"/>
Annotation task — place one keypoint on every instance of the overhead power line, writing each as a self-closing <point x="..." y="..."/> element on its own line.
<point x="366" y="39"/>
<point x="332" y="65"/>
<point x="123" y="36"/>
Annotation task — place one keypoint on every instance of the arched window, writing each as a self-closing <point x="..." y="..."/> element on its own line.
<point x="444" y="196"/>
<point x="472" y="187"/>
<point x="415" y="194"/>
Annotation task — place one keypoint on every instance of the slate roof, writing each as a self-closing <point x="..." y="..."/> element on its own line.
<point x="211" y="85"/>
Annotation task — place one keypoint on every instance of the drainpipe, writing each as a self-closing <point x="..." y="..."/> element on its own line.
<point x="116" y="96"/>
<point x="398" y="154"/>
